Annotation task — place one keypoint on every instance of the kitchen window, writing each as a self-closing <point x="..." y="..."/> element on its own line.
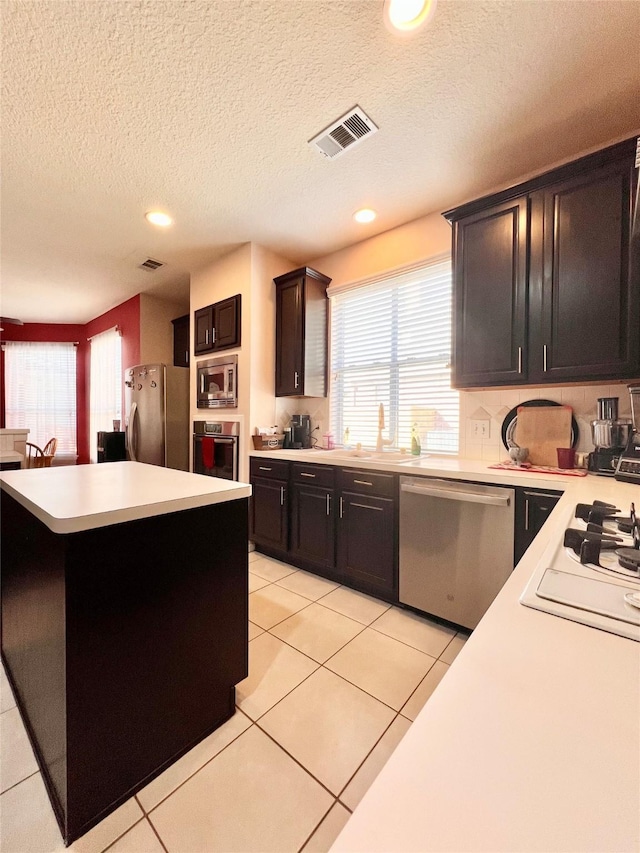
<point x="40" y="392"/>
<point x="391" y="344"/>
<point x="105" y="388"/>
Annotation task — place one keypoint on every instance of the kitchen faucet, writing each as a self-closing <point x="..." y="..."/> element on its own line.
<point x="381" y="442"/>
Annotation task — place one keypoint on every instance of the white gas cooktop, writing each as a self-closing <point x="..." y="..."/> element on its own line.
<point x="598" y="596"/>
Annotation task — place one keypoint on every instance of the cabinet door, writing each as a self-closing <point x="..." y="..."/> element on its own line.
<point x="269" y="513"/>
<point x="532" y="510"/>
<point x="312" y="526"/>
<point x="226" y="323"/>
<point x="490" y="278"/>
<point x="367" y="543"/>
<point x="181" y="341"/>
<point x="289" y="338"/>
<point x="202" y="330"/>
<point x="580" y="284"/>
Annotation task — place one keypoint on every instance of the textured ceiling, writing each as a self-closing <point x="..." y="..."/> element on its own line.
<point x="203" y="109"/>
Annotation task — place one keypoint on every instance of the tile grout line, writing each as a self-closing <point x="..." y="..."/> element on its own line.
<point x="202" y="766"/>
<point x="15" y="784"/>
<point x="122" y="835"/>
<point x="156" y="833"/>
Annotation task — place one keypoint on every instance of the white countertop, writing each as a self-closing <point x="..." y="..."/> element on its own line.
<point x="531" y="742"/>
<point x="82" y="497"/>
<point x="453" y="468"/>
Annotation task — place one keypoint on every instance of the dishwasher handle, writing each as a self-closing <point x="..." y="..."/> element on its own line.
<point x="467" y="497"/>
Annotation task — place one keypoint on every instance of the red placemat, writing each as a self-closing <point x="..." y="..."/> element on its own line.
<point x="538" y="469"/>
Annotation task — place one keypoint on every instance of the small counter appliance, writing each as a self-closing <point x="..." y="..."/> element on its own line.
<point x="610" y="435"/>
<point x="300" y="432"/>
<point x="628" y="469"/>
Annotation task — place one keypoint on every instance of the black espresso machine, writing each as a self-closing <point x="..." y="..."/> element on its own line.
<point x="628" y="468"/>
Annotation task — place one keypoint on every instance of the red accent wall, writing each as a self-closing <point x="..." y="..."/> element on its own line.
<point x="126" y="316"/>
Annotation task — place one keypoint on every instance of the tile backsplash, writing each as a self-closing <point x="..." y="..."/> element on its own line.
<point x="583" y="399"/>
<point x="491" y="405"/>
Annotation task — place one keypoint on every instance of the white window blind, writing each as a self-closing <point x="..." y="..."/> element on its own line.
<point x="40" y="392"/>
<point x="391" y="344"/>
<point x="105" y="386"/>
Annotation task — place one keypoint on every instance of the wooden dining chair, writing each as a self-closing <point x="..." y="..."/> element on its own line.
<point x="41" y="457"/>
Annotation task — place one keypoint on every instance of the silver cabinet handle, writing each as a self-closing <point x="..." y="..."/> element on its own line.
<point x="328" y="504"/>
<point x="206" y="336"/>
<point x="363" y="483"/>
<point x="281" y="495"/>
<point x="295" y="379"/>
<point x="186" y="355"/>
<point x="201" y="382"/>
<point x="544" y="358"/>
<point x="261" y="468"/>
<point x="341" y="507"/>
<point x="519" y="359"/>
<point x="303" y="474"/>
<point x="213" y="336"/>
<point x="526" y="514"/>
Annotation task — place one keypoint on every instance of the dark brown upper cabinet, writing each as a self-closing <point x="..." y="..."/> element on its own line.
<point x="491" y="295"/>
<point x="217" y="326"/>
<point x="181" y="341"/>
<point x="301" y="333"/>
<point x="542" y="283"/>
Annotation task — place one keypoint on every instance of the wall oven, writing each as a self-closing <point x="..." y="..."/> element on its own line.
<point x="217" y="382"/>
<point x="215" y="448"/>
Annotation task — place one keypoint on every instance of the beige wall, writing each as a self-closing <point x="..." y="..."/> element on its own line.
<point x="407" y="244"/>
<point x="249" y="271"/>
<point x="156" y="330"/>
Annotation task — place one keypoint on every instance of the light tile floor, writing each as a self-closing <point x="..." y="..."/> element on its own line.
<point x="335" y="680"/>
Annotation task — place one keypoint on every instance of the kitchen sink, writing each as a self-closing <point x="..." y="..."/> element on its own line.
<point x="371" y="455"/>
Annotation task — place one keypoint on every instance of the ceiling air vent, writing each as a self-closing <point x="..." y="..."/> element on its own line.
<point x="151" y="265"/>
<point x="347" y="132"/>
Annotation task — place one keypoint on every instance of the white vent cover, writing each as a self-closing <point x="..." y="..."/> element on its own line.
<point x="345" y="133"/>
<point x="151" y="265"/>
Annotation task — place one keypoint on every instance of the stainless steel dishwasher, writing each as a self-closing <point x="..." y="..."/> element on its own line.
<point x="456" y="546"/>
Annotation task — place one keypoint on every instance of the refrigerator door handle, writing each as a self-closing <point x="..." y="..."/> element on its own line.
<point x="130" y="432"/>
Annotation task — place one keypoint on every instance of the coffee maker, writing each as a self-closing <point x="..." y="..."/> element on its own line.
<point x="610" y="435"/>
<point x="300" y="431"/>
<point x="628" y="469"/>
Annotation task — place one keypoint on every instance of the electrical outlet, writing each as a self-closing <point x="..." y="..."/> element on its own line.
<point x="481" y="429"/>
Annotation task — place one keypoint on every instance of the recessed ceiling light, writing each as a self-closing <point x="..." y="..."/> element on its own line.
<point x="403" y="17"/>
<point x="365" y="215"/>
<point x="156" y="217"/>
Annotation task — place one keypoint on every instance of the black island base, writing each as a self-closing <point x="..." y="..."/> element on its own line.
<point x="123" y="646"/>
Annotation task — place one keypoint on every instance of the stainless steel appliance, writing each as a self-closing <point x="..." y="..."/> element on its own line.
<point x="456" y="546"/>
<point x="217" y="382"/>
<point x="593" y="575"/>
<point x="301" y="431"/>
<point x="628" y="468"/>
<point x="609" y="435"/>
<point x="215" y="448"/>
<point x="157" y="415"/>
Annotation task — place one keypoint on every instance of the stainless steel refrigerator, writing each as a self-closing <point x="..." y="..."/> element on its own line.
<point x="157" y="415"/>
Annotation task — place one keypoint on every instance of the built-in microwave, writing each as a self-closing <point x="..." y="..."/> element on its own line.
<point x="218" y="382"/>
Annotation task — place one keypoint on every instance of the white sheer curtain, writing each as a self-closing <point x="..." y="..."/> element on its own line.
<point x="40" y="392"/>
<point x="105" y="388"/>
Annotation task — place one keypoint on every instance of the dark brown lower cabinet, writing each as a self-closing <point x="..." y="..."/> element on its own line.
<point x="366" y="542"/>
<point x="532" y="510"/>
<point x="327" y="526"/>
<point x="270" y="513"/>
<point x="312" y="536"/>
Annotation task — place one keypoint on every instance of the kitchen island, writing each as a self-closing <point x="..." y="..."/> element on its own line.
<point x="124" y="622"/>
